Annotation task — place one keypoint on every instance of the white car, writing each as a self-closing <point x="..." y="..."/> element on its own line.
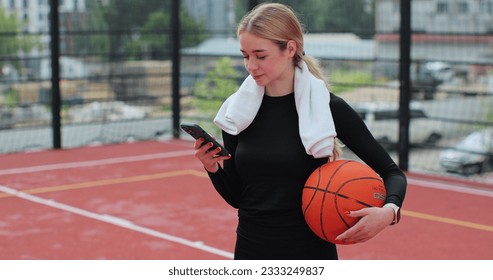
<point x="440" y="70"/>
<point x="382" y="119"/>
<point x="471" y="155"/>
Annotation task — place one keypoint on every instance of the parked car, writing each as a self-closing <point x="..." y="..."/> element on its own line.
<point x="471" y="155"/>
<point x="382" y="119"/>
<point x="6" y="118"/>
<point x="424" y="83"/>
<point x="427" y="77"/>
<point x="440" y="70"/>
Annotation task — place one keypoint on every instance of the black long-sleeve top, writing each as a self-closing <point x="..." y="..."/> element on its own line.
<point x="269" y="166"/>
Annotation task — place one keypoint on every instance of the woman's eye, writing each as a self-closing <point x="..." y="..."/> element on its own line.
<point x="260" y="57"/>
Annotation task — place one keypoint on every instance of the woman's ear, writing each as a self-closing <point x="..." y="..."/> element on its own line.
<point x="291" y="48"/>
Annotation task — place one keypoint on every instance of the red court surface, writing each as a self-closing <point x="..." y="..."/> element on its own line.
<point x="154" y="201"/>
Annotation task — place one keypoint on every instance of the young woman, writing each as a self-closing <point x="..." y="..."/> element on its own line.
<point x="279" y="127"/>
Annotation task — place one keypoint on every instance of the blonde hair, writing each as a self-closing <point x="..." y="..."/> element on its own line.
<point x="278" y="23"/>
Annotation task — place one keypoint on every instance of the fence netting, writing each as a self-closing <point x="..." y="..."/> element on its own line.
<point x="116" y="72"/>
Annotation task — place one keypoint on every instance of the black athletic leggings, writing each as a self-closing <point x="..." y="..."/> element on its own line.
<point x="255" y="242"/>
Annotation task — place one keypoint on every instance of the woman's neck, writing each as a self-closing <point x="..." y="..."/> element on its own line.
<point x="281" y="87"/>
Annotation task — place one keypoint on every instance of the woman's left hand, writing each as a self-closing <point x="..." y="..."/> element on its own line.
<point x="373" y="220"/>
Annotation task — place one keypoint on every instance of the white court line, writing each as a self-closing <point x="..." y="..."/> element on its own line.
<point x="449" y="187"/>
<point x="91" y="163"/>
<point x="117" y="222"/>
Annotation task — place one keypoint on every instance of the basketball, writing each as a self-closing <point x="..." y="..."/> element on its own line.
<point x="337" y="187"/>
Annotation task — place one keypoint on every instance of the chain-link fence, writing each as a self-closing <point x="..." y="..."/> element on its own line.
<point x="116" y="72"/>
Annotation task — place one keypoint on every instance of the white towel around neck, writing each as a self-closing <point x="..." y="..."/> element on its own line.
<point x="317" y="130"/>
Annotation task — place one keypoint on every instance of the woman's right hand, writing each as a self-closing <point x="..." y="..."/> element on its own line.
<point x="210" y="159"/>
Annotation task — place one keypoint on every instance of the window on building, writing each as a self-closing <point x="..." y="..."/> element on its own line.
<point x="463" y="8"/>
<point x="396" y="7"/>
<point x="486" y="7"/>
<point x="442" y="8"/>
<point x="12" y="5"/>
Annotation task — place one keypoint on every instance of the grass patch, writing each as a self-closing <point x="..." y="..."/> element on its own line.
<point x="345" y="80"/>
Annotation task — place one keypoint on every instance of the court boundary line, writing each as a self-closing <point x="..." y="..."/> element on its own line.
<point x="92" y="163"/>
<point x="192" y="172"/>
<point x="199" y="245"/>
<point x="444" y="220"/>
<point x="110" y="181"/>
<point x="449" y="187"/>
<point x="188" y="152"/>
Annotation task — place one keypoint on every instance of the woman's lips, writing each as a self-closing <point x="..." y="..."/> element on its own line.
<point x="256" y="77"/>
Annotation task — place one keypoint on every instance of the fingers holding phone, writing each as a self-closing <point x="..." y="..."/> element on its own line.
<point x="209" y="155"/>
<point x="207" y="149"/>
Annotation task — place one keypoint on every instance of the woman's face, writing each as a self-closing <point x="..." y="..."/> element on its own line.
<point x="267" y="64"/>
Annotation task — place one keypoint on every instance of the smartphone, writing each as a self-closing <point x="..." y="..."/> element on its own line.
<point x="196" y="132"/>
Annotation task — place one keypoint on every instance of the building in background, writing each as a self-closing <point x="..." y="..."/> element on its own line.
<point x="456" y="31"/>
<point x="452" y="31"/>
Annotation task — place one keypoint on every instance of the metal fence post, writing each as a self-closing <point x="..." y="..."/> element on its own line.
<point x="405" y="84"/>
<point x="175" y="42"/>
<point x="55" y="75"/>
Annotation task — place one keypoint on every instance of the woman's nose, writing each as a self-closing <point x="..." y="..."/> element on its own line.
<point x="251" y="65"/>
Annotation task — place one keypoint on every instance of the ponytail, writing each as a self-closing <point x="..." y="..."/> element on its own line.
<point x="315" y="68"/>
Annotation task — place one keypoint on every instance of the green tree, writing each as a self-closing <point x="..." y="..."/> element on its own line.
<point x="93" y="39"/>
<point x="134" y="26"/>
<point x="218" y="84"/>
<point x="13" y="40"/>
<point x="349" y="16"/>
<point x="320" y="16"/>
<point x="153" y="39"/>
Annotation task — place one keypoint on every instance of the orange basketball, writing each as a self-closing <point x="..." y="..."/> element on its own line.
<point x="337" y="187"/>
